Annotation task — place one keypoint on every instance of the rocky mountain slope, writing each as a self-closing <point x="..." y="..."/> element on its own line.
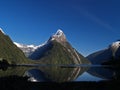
<point x="57" y="50"/>
<point x="105" y="55"/>
<point x="9" y="51"/>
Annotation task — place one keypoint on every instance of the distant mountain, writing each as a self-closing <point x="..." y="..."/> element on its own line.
<point x="57" y="50"/>
<point x="9" y="51"/>
<point x="27" y="49"/>
<point x="105" y="55"/>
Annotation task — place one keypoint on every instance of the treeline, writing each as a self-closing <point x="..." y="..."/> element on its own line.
<point x="4" y="64"/>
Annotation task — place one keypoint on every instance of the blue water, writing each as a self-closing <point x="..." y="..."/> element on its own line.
<point x="92" y="73"/>
<point x="88" y="77"/>
<point x="61" y="73"/>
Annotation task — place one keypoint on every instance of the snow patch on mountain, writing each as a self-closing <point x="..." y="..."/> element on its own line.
<point x="113" y="51"/>
<point x="115" y="44"/>
<point x="59" y="33"/>
<point x="28" y="49"/>
<point x="59" y="36"/>
<point x="2" y="31"/>
<point x="114" y="47"/>
<point x="18" y="44"/>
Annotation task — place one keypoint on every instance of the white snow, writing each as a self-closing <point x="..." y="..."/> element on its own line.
<point x="114" y="46"/>
<point x="25" y="46"/>
<point x="32" y="79"/>
<point x="59" y="36"/>
<point x="59" y="33"/>
<point x="53" y="38"/>
<point x="28" y="49"/>
<point x="2" y="31"/>
<point x="31" y="46"/>
<point x="18" y="45"/>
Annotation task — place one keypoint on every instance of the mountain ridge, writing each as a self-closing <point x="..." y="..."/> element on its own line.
<point x="58" y="50"/>
<point x="59" y="36"/>
<point x="9" y="51"/>
<point x="105" y="55"/>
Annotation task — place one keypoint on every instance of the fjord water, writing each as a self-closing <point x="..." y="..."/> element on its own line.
<point x="60" y="73"/>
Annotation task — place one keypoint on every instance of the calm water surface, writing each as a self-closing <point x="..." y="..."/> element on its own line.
<point x="61" y="73"/>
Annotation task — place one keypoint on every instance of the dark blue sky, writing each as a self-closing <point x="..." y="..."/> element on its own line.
<point x="89" y="25"/>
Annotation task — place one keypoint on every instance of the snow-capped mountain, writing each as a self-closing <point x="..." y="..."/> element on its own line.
<point x="57" y="50"/>
<point x="59" y="36"/>
<point x="112" y="52"/>
<point x="2" y="31"/>
<point x="28" y="49"/>
<point x="9" y="51"/>
<point x="114" y="47"/>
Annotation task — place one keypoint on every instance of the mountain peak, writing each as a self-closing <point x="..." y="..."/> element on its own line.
<point x="2" y="31"/>
<point x="59" y="36"/>
<point x="117" y="43"/>
<point x="59" y="32"/>
<point x="114" y="47"/>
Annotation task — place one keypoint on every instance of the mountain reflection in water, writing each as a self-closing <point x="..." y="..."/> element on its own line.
<point x="109" y="73"/>
<point x="60" y="73"/>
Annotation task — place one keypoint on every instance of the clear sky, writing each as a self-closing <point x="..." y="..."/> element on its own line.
<point x="89" y="25"/>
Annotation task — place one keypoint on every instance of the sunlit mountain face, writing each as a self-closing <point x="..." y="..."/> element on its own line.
<point x="57" y="50"/>
<point x="9" y="51"/>
<point x="55" y="61"/>
<point x="112" y="53"/>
